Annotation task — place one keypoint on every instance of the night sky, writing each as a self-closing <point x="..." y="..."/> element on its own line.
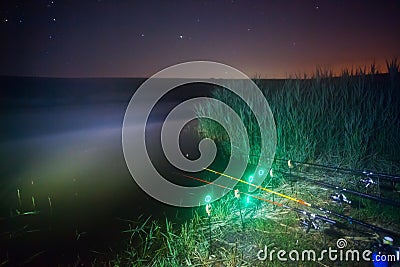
<point x="273" y="39"/>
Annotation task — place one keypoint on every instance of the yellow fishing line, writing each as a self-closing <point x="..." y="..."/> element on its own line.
<point x="262" y="188"/>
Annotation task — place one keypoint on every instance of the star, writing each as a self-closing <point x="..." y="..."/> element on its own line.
<point x="53" y="19"/>
<point x="181" y="36"/>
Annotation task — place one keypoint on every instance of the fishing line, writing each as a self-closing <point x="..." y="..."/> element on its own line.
<point x="262" y="188"/>
<point x="303" y="212"/>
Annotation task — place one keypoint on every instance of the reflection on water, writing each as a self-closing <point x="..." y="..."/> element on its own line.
<point x="64" y="182"/>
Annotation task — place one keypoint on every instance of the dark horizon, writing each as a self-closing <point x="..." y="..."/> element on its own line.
<point x="352" y="71"/>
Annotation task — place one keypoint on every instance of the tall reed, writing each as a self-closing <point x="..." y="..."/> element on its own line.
<point x="352" y="120"/>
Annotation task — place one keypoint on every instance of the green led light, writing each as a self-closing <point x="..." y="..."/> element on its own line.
<point x="248" y="199"/>
<point x="251" y="178"/>
<point x="207" y="199"/>
<point x="261" y="172"/>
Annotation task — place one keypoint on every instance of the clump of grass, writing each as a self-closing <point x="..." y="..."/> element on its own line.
<point x="393" y="67"/>
<point x="153" y="243"/>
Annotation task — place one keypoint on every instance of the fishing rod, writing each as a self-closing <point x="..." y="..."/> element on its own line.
<point x="347" y="218"/>
<point x="300" y="211"/>
<point x="384" y="176"/>
<point x="362" y="223"/>
<point x="353" y="192"/>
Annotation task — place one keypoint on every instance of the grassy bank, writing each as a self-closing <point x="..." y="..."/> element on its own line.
<point x="350" y="121"/>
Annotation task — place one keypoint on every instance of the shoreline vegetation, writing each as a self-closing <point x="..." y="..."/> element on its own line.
<point x="351" y="121"/>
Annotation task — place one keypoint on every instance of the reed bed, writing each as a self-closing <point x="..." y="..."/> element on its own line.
<point x="348" y="121"/>
<point x="351" y="121"/>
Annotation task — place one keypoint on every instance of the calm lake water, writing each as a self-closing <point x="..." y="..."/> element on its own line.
<point x="61" y="157"/>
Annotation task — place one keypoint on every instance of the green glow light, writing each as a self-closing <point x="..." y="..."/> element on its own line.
<point x="261" y="172"/>
<point x="251" y="178"/>
<point x="248" y="199"/>
<point x="207" y="199"/>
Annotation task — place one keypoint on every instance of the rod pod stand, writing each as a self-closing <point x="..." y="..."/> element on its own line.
<point x="208" y="210"/>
